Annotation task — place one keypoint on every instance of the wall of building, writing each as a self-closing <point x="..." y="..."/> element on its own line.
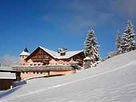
<point x="27" y="75"/>
<point x="61" y="61"/>
<point x="52" y="61"/>
<point x="6" y="84"/>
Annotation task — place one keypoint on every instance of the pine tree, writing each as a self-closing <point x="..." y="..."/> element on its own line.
<point x="129" y="38"/>
<point x="124" y="43"/>
<point x="91" y="47"/>
<point x="119" y="42"/>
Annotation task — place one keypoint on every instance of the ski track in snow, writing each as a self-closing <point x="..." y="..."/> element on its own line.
<point x="71" y="82"/>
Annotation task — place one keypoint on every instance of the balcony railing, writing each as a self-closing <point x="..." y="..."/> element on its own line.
<point x="24" y="68"/>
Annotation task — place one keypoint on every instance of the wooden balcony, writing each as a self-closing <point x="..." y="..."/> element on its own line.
<point x="23" y="68"/>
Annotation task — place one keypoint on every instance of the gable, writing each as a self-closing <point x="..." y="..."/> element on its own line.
<point x="80" y="55"/>
<point x="39" y="55"/>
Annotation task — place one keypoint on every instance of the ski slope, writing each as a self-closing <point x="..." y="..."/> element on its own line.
<point x="113" y="80"/>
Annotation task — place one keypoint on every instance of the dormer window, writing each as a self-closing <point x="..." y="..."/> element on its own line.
<point x="62" y="51"/>
<point x="62" y="54"/>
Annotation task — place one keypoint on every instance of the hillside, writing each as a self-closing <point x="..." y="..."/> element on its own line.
<point x="114" y="80"/>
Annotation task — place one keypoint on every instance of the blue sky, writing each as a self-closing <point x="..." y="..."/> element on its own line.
<point x="62" y="23"/>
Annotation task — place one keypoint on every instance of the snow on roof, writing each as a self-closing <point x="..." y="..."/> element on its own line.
<point x="6" y="68"/>
<point x="24" y="53"/>
<point x="7" y="75"/>
<point x="58" y="56"/>
<point x="87" y="58"/>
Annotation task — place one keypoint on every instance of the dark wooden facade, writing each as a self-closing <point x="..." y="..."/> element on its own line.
<point x="40" y="56"/>
<point x="6" y="83"/>
<point x="79" y="58"/>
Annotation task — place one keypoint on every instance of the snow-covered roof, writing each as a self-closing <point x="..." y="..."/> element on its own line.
<point x="57" y="55"/>
<point x="87" y="58"/>
<point x="7" y="75"/>
<point x="24" y="53"/>
<point x="6" y="68"/>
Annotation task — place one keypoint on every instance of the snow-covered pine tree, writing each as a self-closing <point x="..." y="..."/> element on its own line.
<point x="129" y="38"/>
<point x="119" y="42"/>
<point x="91" y="47"/>
<point x="124" y="44"/>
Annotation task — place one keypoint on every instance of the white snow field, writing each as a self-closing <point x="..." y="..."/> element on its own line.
<point x="113" y="80"/>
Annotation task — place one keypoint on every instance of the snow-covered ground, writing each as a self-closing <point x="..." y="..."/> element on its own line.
<point x="114" y="80"/>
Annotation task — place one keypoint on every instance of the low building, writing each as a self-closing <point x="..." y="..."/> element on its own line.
<point x="7" y="77"/>
<point x="11" y="70"/>
<point x="6" y="80"/>
<point x="43" y="60"/>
